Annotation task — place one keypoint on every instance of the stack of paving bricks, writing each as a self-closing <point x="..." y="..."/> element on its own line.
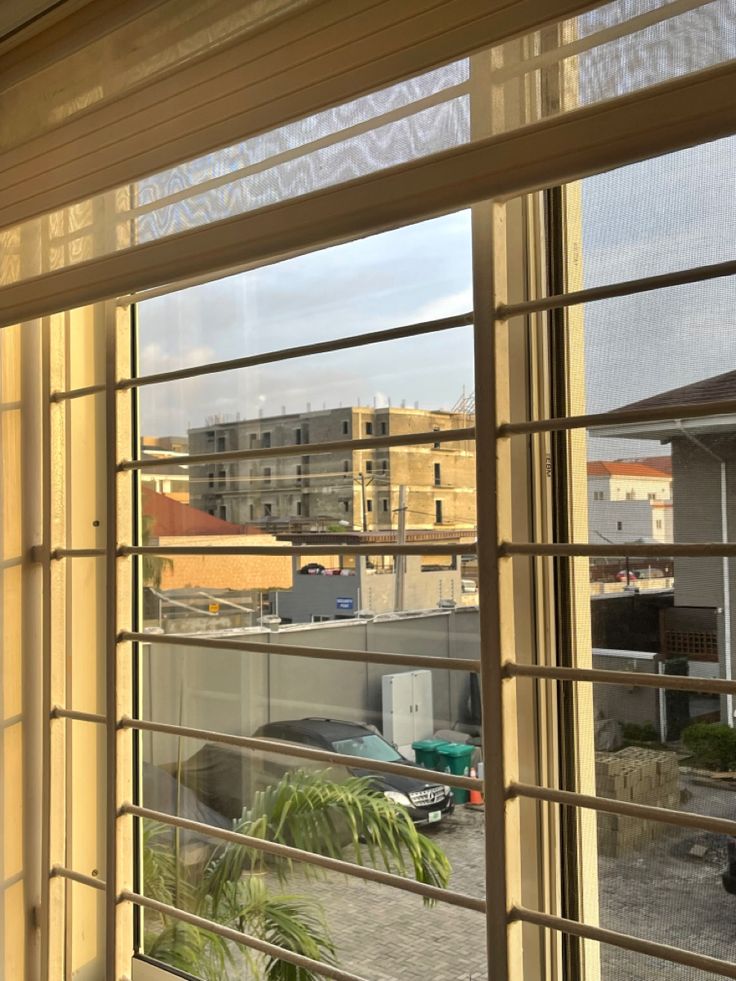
<point x="644" y="776"/>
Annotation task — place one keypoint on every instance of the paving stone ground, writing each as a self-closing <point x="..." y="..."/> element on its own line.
<point x="661" y="892"/>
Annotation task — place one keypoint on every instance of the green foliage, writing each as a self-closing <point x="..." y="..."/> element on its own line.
<point x="645" y="733"/>
<point x="712" y="745"/>
<point x="153" y="565"/>
<point x="307" y="811"/>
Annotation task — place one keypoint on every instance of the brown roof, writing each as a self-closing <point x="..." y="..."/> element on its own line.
<point x="714" y="389"/>
<point x="663" y="463"/>
<point x="170" y="517"/>
<point x="623" y="468"/>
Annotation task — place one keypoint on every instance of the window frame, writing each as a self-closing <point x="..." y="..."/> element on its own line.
<point x="118" y="563"/>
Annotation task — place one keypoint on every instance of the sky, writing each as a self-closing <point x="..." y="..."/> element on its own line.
<point x="664" y="214"/>
<point x="413" y="274"/>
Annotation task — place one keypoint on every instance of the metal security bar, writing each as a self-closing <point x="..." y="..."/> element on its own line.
<point x="379" y="548"/>
<point x="294" y="650"/>
<point x="696" y="274"/>
<point x="78" y="553"/>
<point x="284" y="748"/>
<point x="673" y="682"/>
<point x="245" y="939"/>
<point x="85" y="880"/>
<point x="625" y="941"/>
<point x="59" y="712"/>
<point x="695" y="550"/>
<point x="310" y="449"/>
<point x="302" y="351"/>
<point x="599" y="420"/>
<point x="366" y="873"/>
<point x="608" y="805"/>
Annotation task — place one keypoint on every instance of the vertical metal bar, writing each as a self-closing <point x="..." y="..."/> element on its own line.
<point x="493" y="461"/>
<point x="54" y="506"/>
<point x="503" y="872"/>
<point x="119" y="679"/>
<point x="34" y="829"/>
<point x="111" y="877"/>
<point x="46" y="635"/>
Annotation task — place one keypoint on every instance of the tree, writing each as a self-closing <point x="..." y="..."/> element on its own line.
<point x="308" y="811"/>
<point x="153" y="565"/>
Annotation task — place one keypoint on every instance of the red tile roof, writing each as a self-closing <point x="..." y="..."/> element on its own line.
<point x="171" y="517"/>
<point x="624" y="468"/>
<point x="663" y="463"/>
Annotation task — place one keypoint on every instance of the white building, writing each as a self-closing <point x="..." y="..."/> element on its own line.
<point x="630" y="521"/>
<point x="629" y="480"/>
<point x="629" y="501"/>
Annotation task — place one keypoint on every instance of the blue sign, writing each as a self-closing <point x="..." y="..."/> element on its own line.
<point x="344" y="603"/>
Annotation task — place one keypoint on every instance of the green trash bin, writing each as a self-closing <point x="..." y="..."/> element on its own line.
<point x="425" y="751"/>
<point x="455" y="758"/>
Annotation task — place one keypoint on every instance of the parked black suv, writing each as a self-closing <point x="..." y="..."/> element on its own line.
<point x="426" y="802"/>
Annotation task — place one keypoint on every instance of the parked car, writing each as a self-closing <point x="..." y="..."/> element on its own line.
<point x="426" y="801"/>
<point x="622" y="575"/>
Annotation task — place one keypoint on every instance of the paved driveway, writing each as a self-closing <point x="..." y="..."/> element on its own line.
<point x="664" y="892"/>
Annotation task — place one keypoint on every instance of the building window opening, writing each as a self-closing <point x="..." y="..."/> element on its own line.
<point x="438" y="512"/>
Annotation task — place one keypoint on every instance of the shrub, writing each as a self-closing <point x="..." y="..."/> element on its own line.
<point x="645" y="733"/>
<point x="712" y="744"/>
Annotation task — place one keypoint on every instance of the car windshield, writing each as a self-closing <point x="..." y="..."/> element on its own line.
<point x="369" y="747"/>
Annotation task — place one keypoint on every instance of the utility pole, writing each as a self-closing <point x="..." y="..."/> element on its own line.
<point x="400" y="563"/>
<point x="361" y="478"/>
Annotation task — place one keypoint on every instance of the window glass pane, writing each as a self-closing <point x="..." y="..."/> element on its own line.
<point x="659" y="216"/>
<point x="415" y="274"/>
<point x="424" y="605"/>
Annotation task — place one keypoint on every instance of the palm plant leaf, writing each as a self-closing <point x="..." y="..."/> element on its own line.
<point x="312" y="812"/>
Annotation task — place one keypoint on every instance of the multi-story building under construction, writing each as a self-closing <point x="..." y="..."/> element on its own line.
<point x="355" y="487"/>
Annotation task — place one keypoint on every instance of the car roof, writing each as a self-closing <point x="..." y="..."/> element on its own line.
<point x="330" y="729"/>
